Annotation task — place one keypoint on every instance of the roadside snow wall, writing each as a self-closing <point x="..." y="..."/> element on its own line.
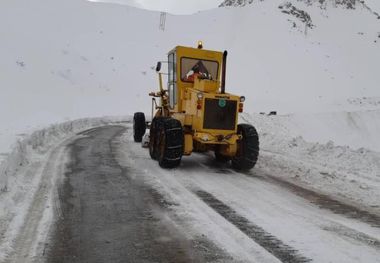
<point x="20" y="173"/>
<point x="330" y="153"/>
<point x="39" y="142"/>
<point x="356" y="129"/>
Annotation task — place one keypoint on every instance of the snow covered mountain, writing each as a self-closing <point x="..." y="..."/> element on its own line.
<point x="73" y="59"/>
<point x="186" y="7"/>
<point x="236" y="3"/>
<point x="348" y="4"/>
<point x="315" y="62"/>
<point x="370" y="5"/>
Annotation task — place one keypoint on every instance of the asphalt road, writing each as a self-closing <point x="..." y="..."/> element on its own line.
<point x="108" y="215"/>
<point x="115" y="204"/>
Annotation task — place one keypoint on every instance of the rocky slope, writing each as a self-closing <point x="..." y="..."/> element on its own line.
<point x="322" y="4"/>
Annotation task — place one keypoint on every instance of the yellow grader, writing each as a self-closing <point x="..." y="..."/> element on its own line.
<point x="195" y="114"/>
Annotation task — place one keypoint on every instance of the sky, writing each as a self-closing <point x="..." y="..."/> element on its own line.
<point x="171" y="6"/>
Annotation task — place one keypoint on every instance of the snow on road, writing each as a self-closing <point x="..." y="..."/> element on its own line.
<point x="297" y="224"/>
<point x="303" y="201"/>
<point x="27" y="181"/>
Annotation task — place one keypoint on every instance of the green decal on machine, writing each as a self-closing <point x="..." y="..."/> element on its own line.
<point x="222" y="103"/>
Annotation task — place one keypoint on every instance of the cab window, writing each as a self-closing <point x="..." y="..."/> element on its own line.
<point x="172" y="78"/>
<point x="205" y="69"/>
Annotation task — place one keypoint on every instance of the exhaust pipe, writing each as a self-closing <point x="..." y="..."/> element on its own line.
<point x="223" y="87"/>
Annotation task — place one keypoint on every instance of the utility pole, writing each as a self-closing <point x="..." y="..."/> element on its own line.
<point x="162" y="21"/>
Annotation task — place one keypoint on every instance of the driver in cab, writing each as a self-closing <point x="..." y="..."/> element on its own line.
<point x="197" y="71"/>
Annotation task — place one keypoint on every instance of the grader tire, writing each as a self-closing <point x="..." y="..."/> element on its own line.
<point x="153" y="136"/>
<point x="248" y="148"/>
<point x="139" y="126"/>
<point x="170" y="143"/>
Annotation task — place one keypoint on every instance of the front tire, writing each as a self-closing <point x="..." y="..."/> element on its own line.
<point x="153" y="136"/>
<point x="248" y="148"/>
<point x="170" y="143"/>
<point x="139" y="126"/>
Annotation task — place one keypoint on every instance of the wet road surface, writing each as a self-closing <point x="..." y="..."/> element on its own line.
<point x="117" y="205"/>
<point x="107" y="215"/>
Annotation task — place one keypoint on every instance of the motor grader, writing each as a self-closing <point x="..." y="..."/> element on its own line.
<point x="195" y="114"/>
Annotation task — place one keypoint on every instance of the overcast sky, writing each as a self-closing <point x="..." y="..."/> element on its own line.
<point x="172" y="6"/>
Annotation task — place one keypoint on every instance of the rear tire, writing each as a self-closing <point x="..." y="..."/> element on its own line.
<point x="170" y="142"/>
<point x="139" y="126"/>
<point x="248" y="148"/>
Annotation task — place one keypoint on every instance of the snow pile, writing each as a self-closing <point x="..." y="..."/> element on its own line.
<point x="21" y="171"/>
<point x="340" y="171"/>
<point x="39" y="142"/>
<point x="357" y="129"/>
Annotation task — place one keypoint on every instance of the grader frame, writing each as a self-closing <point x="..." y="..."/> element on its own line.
<point x="195" y="114"/>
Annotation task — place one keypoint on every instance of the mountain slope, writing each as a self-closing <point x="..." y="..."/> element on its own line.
<point x="79" y="59"/>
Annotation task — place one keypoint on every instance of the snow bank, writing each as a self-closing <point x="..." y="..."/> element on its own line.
<point x="20" y="172"/>
<point x="39" y="142"/>
<point x="342" y="171"/>
<point x="357" y="129"/>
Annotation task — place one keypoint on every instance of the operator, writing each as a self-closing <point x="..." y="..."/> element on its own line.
<point x="198" y="71"/>
<point x="193" y="74"/>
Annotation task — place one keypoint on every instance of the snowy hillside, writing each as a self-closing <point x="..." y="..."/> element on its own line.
<point x="316" y="63"/>
<point x="186" y="7"/>
<point x="349" y="4"/>
<point x="72" y="59"/>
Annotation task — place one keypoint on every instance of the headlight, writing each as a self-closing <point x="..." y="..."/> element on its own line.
<point x="242" y="99"/>
<point x="200" y="95"/>
<point x="200" y="44"/>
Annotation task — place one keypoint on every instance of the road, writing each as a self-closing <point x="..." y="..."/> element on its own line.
<point x="115" y="204"/>
<point x="110" y="216"/>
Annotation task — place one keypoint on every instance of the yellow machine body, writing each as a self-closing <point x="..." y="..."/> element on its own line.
<point x="208" y="115"/>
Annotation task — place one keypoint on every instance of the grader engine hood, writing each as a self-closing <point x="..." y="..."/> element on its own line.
<point x="216" y="116"/>
<point x="219" y="113"/>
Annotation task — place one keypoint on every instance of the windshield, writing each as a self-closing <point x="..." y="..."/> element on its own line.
<point x="205" y="69"/>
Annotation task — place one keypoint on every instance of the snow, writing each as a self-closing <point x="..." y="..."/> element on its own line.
<point x="374" y="5"/>
<point x="82" y="66"/>
<point x="357" y="129"/>
<point x="183" y="7"/>
<point x="337" y="170"/>
<point x="67" y="62"/>
<point x="23" y="172"/>
<point x="317" y="234"/>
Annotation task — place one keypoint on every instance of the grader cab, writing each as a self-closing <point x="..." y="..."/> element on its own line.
<point x="195" y="114"/>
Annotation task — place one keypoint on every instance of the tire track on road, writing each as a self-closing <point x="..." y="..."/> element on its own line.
<point x="273" y="245"/>
<point x="326" y="202"/>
